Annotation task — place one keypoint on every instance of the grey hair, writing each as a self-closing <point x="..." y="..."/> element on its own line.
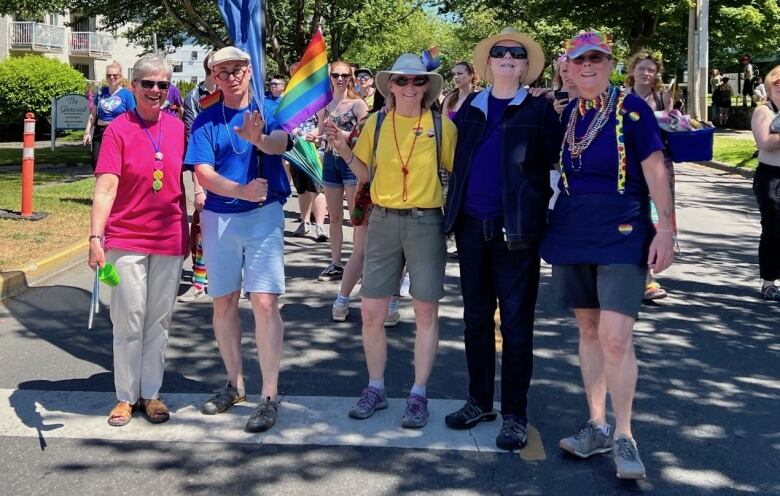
<point x="149" y="64"/>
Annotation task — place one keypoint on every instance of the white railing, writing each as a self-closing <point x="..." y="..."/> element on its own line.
<point x="91" y="44"/>
<point x="36" y="36"/>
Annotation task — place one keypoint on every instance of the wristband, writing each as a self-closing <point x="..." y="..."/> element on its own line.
<point x="95" y="236"/>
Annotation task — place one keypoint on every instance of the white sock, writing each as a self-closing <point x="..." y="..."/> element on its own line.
<point x="377" y="384"/>
<point x="418" y="390"/>
<point x="767" y="284"/>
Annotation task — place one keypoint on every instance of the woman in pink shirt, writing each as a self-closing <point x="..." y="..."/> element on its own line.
<point x="139" y="225"/>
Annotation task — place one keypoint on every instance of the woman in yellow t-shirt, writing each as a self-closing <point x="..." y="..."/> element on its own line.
<point x="406" y="224"/>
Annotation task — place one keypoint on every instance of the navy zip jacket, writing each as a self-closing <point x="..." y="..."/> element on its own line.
<point x="531" y="136"/>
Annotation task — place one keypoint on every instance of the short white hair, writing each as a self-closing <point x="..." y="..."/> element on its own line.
<point x="149" y="64"/>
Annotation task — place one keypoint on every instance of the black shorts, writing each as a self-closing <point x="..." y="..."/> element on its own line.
<point x="618" y="287"/>
<point x="302" y="182"/>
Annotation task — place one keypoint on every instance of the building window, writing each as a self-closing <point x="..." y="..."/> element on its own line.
<point x="84" y="69"/>
<point x="194" y="55"/>
<point x="178" y="67"/>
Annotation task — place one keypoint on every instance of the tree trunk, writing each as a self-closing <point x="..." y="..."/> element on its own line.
<point x="642" y="30"/>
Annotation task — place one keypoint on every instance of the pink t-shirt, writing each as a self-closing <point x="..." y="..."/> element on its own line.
<point x="141" y="220"/>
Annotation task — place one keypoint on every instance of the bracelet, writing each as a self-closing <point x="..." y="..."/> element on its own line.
<point x="95" y="236"/>
<point x="351" y="158"/>
<point x="200" y="192"/>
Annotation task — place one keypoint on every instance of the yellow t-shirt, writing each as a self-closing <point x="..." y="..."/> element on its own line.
<point x="423" y="186"/>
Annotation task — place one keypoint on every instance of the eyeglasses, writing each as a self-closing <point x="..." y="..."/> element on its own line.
<point x="112" y="76"/>
<point x="654" y="56"/>
<point x="148" y="84"/>
<point x="237" y="73"/>
<point x="273" y="83"/>
<point x="416" y="81"/>
<point x="593" y="58"/>
<point x="336" y="75"/>
<point x="498" y="52"/>
<point x="363" y="77"/>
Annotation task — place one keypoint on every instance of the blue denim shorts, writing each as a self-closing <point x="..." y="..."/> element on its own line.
<point x="246" y="246"/>
<point x="335" y="171"/>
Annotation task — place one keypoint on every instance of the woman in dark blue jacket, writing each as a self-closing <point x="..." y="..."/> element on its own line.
<point x="507" y="143"/>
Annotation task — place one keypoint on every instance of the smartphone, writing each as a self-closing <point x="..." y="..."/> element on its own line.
<point x="561" y="95"/>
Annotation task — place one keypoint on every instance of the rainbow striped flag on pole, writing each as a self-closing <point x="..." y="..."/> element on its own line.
<point x="309" y="88"/>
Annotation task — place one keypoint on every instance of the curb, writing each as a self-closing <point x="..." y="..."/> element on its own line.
<point x="728" y="168"/>
<point x="17" y="280"/>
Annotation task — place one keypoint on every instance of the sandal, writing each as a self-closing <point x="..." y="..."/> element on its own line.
<point x="654" y="291"/>
<point x="155" y="411"/>
<point x="771" y="293"/>
<point x="121" y="414"/>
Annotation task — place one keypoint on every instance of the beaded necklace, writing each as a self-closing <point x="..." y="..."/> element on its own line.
<point x="230" y="135"/>
<point x="604" y="105"/>
<point x="405" y="165"/>
<point x="157" y="168"/>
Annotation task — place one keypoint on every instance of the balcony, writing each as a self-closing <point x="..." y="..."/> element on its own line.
<point x="36" y="37"/>
<point x="91" y="44"/>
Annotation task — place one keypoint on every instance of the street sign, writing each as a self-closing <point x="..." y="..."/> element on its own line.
<point x="71" y="112"/>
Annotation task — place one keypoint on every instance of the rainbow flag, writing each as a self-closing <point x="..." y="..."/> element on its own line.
<point x="309" y="88"/>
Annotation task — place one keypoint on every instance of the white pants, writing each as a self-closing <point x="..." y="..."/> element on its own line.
<point x="141" y="309"/>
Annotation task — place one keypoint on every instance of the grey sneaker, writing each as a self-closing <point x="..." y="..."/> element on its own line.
<point x="340" y="311"/>
<point x="332" y="272"/>
<point x="302" y="230"/>
<point x="264" y="416"/>
<point x="224" y="399"/>
<point x="192" y="295"/>
<point x="589" y="440"/>
<point x="393" y="318"/>
<point x="627" y="461"/>
<point x="320" y="234"/>
<point x="371" y="400"/>
<point x="416" y="414"/>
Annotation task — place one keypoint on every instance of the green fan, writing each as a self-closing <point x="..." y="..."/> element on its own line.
<point x="304" y="156"/>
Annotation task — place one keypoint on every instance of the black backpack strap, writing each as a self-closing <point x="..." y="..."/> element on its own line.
<point x="437" y="132"/>
<point x="380" y="116"/>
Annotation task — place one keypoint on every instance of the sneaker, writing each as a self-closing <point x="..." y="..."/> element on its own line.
<point x="627" y="461"/>
<point x="770" y="293"/>
<point x="470" y="415"/>
<point x="393" y="318"/>
<point x="191" y="295"/>
<point x="302" y="230"/>
<point x="513" y="434"/>
<point x="588" y="441"/>
<point x="416" y="414"/>
<point x="264" y="416"/>
<point x="340" y="311"/>
<point x="224" y="399"/>
<point x="320" y="234"/>
<point x="331" y="273"/>
<point x="371" y="400"/>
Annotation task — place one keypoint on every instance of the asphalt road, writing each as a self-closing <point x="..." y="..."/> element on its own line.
<point x="705" y="412"/>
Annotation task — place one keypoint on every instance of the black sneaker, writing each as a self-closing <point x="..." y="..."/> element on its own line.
<point x="331" y="273"/>
<point x="513" y="435"/>
<point x="264" y="416"/>
<point x="224" y="399"/>
<point x="470" y="415"/>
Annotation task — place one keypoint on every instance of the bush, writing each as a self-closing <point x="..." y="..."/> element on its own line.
<point x="28" y="84"/>
<point x="185" y="87"/>
<point x="617" y="78"/>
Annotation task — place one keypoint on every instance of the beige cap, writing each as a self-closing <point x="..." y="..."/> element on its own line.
<point x="227" y="54"/>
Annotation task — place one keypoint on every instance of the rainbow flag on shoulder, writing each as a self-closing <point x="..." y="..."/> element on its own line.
<point x="309" y="88"/>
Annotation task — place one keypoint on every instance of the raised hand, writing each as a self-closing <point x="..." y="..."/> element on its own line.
<point x="252" y="127"/>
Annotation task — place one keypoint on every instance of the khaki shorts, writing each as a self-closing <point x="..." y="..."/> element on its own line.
<point x="412" y="237"/>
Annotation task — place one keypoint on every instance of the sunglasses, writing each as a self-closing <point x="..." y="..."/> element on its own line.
<point x="416" y="81"/>
<point x="593" y="58"/>
<point x="112" y="76"/>
<point x="498" y="52"/>
<point x="148" y="84"/>
<point x="363" y="77"/>
<point x="336" y="75"/>
<point x="237" y="73"/>
<point x="655" y="56"/>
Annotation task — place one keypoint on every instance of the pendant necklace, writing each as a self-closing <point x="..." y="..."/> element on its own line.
<point x="230" y="134"/>
<point x="405" y="165"/>
<point x="157" y="171"/>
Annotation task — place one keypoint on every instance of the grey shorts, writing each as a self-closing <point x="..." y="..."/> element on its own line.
<point x="415" y="239"/>
<point x="618" y="287"/>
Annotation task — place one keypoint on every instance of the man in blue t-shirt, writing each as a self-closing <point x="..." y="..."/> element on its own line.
<point x="236" y="152"/>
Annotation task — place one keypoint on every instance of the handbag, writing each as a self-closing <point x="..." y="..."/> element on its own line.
<point x="362" y="204"/>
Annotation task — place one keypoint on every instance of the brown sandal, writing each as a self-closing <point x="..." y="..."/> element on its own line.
<point x="155" y="411"/>
<point x="121" y="414"/>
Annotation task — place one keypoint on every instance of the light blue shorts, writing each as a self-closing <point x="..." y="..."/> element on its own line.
<point x="248" y="244"/>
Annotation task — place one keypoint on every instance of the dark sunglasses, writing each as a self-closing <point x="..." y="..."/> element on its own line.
<point x="112" y="76"/>
<point x="363" y="77"/>
<point x="498" y="52"/>
<point x="593" y="58"/>
<point x="148" y="84"/>
<point x="336" y="75"/>
<point x="416" y="81"/>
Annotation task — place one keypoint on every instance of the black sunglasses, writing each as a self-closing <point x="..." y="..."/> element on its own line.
<point x="416" y="81"/>
<point x="336" y="75"/>
<point x="593" y="58"/>
<point x="498" y="52"/>
<point x="148" y="84"/>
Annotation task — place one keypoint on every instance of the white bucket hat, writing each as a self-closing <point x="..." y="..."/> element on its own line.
<point x="409" y="64"/>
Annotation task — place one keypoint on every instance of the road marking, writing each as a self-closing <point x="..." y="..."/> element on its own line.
<point x="303" y="420"/>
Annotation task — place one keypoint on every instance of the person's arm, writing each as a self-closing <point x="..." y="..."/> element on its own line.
<point x="254" y="191"/>
<point x="91" y="120"/>
<point x="666" y="99"/>
<point x="661" y="253"/>
<point x="199" y="192"/>
<point x="337" y="139"/>
<point x="190" y="111"/>
<point x="360" y="109"/>
<point x="759" y="124"/>
<point x="102" y="201"/>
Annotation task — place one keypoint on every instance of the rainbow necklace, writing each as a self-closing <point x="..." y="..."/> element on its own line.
<point x="157" y="170"/>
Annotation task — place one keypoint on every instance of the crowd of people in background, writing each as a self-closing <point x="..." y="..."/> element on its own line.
<point x="480" y="163"/>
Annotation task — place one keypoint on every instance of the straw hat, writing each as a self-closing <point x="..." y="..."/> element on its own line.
<point x="534" y="50"/>
<point x="409" y="64"/>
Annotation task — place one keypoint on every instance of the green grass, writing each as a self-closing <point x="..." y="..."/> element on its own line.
<point x="63" y="154"/>
<point x="736" y="152"/>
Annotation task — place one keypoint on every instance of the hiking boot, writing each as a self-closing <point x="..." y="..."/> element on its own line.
<point x="224" y="399"/>
<point x="302" y="230"/>
<point x="627" y="461"/>
<point x="416" y="414"/>
<point x="513" y="434"/>
<point x="320" y="234"/>
<point x="340" y="311"/>
<point x="331" y="273"/>
<point x="588" y="441"/>
<point x="371" y="400"/>
<point x="264" y="416"/>
<point x="468" y="416"/>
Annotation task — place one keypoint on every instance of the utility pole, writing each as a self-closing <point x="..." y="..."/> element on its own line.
<point x="698" y="59"/>
<point x="154" y="42"/>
